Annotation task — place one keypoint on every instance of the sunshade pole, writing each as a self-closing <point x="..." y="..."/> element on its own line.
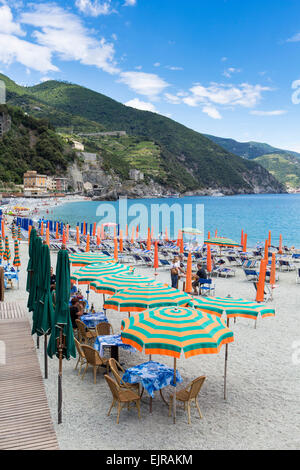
<point x="37" y="342"/>
<point x="174" y="396"/>
<point x="225" y="368"/>
<point x="45" y="357"/>
<point x="60" y="349"/>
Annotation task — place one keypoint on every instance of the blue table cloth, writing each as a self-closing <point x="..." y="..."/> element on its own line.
<point x="92" y="319"/>
<point x="109" y="341"/>
<point x="152" y="375"/>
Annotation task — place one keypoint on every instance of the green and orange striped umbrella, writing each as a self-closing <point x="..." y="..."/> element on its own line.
<point x="117" y="282"/>
<point x="84" y="259"/>
<point x="6" y="254"/>
<point x="13" y="232"/>
<point x="170" y="331"/>
<point x="93" y="272"/>
<point x="221" y="241"/>
<point x="232" y="307"/>
<point x="1" y="248"/>
<point x="137" y="299"/>
<point x="19" y="233"/>
<point x="17" y="261"/>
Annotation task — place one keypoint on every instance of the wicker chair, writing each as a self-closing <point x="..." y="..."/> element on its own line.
<point x="81" y="357"/>
<point x="93" y="359"/>
<point x="115" y="367"/>
<point x="85" y="335"/>
<point x="104" y="328"/>
<point x="122" y="397"/>
<point x="189" y="394"/>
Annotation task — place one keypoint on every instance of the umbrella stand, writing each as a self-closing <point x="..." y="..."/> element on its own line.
<point x="225" y="367"/>
<point x="37" y="342"/>
<point x="45" y="357"/>
<point x="60" y="357"/>
<point x="174" y="396"/>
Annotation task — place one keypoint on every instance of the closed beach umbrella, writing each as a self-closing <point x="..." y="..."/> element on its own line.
<point x="2" y="229"/>
<point x="47" y="236"/>
<point x="94" y="229"/>
<point x="181" y="246"/>
<point x="266" y="254"/>
<point x="19" y="233"/>
<point x="269" y="238"/>
<point x="84" y="259"/>
<point x="64" y="237"/>
<point x="242" y="237"/>
<point x="208" y="236"/>
<point x="13" y="231"/>
<point x="116" y="249"/>
<point x="245" y="243"/>
<point x="155" y="264"/>
<point x="29" y="233"/>
<point x="166" y="235"/>
<point x="137" y="299"/>
<point x="98" y="237"/>
<point x="87" y="248"/>
<point x="117" y="282"/>
<point x="149" y="240"/>
<point x="188" y="284"/>
<point x="32" y="239"/>
<point x="6" y="254"/>
<point x="77" y="236"/>
<point x="208" y="259"/>
<point x="261" y="281"/>
<point x="67" y="232"/>
<point x="61" y="342"/>
<point x="216" y="233"/>
<point x="280" y="245"/>
<point x="121" y="241"/>
<point x="172" y="331"/>
<point x="132" y="236"/>
<point x="17" y="261"/>
<point x="273" y="270"/>
<point x="56" y="233"/>
<point x="42" y="228"/>
<point x="93" y="272"/>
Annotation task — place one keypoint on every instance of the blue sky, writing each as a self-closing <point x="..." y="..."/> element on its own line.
<point x="225" y="67"/>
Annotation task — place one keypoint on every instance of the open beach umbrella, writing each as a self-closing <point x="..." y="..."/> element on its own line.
<point x="137" y="299"/>
<point x="6" y="254"/>
<point x="221" y="241"/>
<point x="61" y="342"/>
<point x="84" y="259"/>
<point x="171" y="331"/>
<point x="93" y="272"/>
<point x="117" y="282"/>
<point x="232" y="307"/>
<point x="43" y="313"/>
<point x="191" y="231"/>
<point x="16" y="261"/>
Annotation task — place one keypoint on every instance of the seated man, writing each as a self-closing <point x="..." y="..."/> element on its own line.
<point x="201" y="274"/>
<point x="75" y="312"/>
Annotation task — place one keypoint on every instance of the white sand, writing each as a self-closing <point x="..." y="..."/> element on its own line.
<point x="262" y="409"/>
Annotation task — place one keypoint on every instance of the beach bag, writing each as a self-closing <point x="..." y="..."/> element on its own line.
<point x="174" y="272"/>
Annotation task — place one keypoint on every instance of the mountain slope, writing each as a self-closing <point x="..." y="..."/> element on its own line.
<point x="250" y="150"/>
<point x="190" y="160"/>
<point x="285" y="168"/>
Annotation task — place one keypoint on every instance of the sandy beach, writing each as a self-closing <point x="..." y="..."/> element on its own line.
<point x="262" y="408"/>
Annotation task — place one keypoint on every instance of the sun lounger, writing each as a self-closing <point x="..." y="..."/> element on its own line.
<point x="251" y="274"/>
<point x="267" y="292"/>
<point x="286" y="265"/>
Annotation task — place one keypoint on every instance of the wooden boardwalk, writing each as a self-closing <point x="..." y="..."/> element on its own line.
<point x="25" y="420"/>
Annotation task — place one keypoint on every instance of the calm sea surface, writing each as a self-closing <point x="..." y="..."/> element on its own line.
<point x="256" y="214"/>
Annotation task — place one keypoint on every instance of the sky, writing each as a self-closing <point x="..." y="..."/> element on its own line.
<point x="224" y="67"/>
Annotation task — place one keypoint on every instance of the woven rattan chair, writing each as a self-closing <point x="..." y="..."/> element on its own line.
<point x="115" y="367"/>
<point x="85" y="335"/>
<point x="122" y="397"/>
<point x="93" y="359"/>
<point x="188" y="395"/>
<point x="81" y="357"/>
<point x="104" y="328"/>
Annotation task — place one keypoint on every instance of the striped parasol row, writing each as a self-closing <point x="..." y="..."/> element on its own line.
<point x="221" y="241"/>
<point x="139" y="298"/>
<point x="1" y="248"/>
<point x="116" y="282"/>
<point x="6" y="254"/>
<point x="93" y="272"/>
<point x="13" y="231"/>
<point x="16" y="261"/>
<point x="232" y="307"/>
<point x="170" y="331"/>
<point x="84" y="259"/>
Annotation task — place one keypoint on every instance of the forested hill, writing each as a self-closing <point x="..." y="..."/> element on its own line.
<point x="190" y="160"/>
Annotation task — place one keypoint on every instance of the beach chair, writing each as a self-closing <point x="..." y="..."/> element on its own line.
<point x="189" y="395"/>
<point x="115" y="367"/>
<point x="286" y="265"/>
<point x="122" y="397"/>
<point x="224" y="272"/>
<point x="81" y="357"/>
<point x="251" y="274"/>
<point x="296" y="257"/>
<point x="148" y="260"/>
<point x="93" y="359"/>
<point x="164" y="263"/>
<point x="85" y="335"/>
<point x="267" y="292"/>
<point x="104" y="328"/>
<point x="298" y="276"/>
<point x="206" y="287"/>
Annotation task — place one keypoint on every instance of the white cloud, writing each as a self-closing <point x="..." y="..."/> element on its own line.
<point x="230" y="71"/>
<point x="157" y="64"/>
<point x="64" y="34"/>
<point x="142" y="105"/>
<point x="94" y="8"/>
<point x="212" y="112"/>
<point x="224" y="59"/>
<point x="130" y="3"/>
<point x="171" y="67"/>
<point x="295" y="38"/>
<point x="147" y="84"/>
<point x="277" y="112"/>
<point x="173" y="99"/>
<point x="8" y="26"/>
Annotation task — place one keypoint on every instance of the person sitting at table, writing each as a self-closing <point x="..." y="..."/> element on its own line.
<point x="74" y="289"/>
<point x="201" y="274"/>
<point x="75" y="312"/>
<point x="52" y="277"/>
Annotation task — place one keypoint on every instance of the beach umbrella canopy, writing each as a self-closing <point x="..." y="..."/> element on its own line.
<point x="221" y="241"/>
<point x="116" y="282"/>
<point x="84" y="259"/>
<point x="35" y="273"/>
<point x="6" y="254"/>
<point x="43" y="314"/>
<point x="17" y="261"/>
<point x="137" y="299"/>
<point x="192" y="231"/>
<point x="62" y="319"/>
<point x="93" y="272"/>
<point x="171" y="331"/>
<point x="232" y="307"/>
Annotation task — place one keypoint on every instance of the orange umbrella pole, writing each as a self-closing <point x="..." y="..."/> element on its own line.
<point x="266" y="251"/>
<point x="42" y="228"/>
<point x="280" y="245"/>
<point x="94" y="229"/>
<point x="208" y="236"/>
<point x="121" y="241"/>
<point x="48" y="236"/>
<point x="245" y="243"/>
<point x="269" y="238"/>
<point x="98" y="237"/>
<point x="77" y="236"/>
<point x="208" y="259"/>
<point x="87" y="248"/>
<point x="188" y="283"/>
<point x="132" y="236"/>
<point x="29" y="232"/>
<point x="273" y="271"/>
<point x="116" y="249"/>
<point x="242" y="238"/>
<point x="155" y="264"/>
<point x="261" y="281"/>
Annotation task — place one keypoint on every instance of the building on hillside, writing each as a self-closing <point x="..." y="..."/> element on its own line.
<point x="77" y="146"/>
<point x="5" y="123"/>
<point x="136" y="175"/>
<point x="51" y="184"/>
<point x="34" y="184"/>
<point x="61" y="184"/>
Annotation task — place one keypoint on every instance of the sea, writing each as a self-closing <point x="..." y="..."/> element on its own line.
<point x="255" y="214"/>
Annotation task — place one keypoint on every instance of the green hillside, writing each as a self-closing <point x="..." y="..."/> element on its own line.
<point x="31" y="144"/>
<point x="285" y="169"/>
<point x="188" y="159"/>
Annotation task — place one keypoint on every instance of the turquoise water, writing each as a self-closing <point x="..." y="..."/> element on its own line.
<point x="256" y="214"/>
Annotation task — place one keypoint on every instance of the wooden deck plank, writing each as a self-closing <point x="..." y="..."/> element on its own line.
<point x="25" y="420"/>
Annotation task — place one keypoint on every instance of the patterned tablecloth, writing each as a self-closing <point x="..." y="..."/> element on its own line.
<point x="92" y="319"/>
<point x="152" y="375"/>
<point x="109" y="341"/>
